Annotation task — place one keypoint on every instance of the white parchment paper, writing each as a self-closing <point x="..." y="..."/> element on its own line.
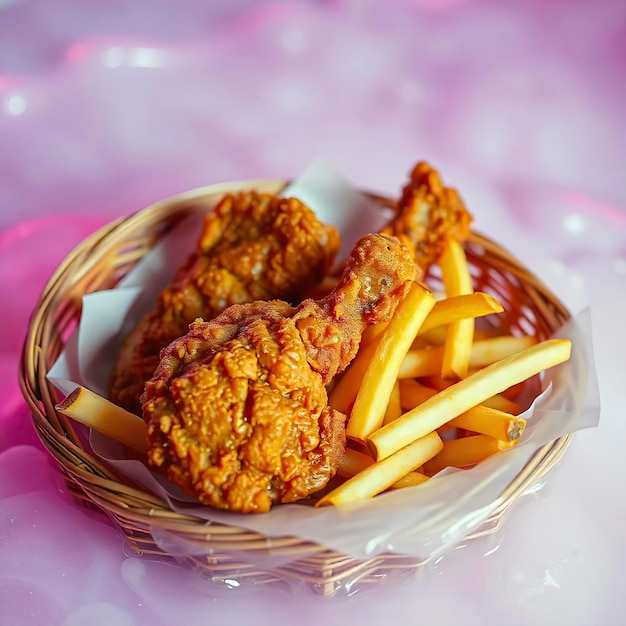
<point x="421" y="521"/>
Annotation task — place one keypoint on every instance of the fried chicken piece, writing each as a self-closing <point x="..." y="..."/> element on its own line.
<point x="426" y="214"/>
<point x="252" y="247"/>
<point x="237" y="410"/>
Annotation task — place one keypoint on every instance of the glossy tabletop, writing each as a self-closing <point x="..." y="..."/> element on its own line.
<point x="106" y="107"/>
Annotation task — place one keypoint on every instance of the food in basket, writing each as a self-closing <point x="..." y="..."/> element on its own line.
<point x="237" y="410"/>
<point x="428" y="215"/>
<point x="253" y="246"/>
<point x="400" y="443"/>
<point x="370" y="405"/>
<point x="466" y="394"/>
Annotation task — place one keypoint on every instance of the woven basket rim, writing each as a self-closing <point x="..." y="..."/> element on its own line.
<point x="93" y="481"/>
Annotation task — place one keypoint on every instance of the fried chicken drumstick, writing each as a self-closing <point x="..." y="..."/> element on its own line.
<point x="253" y="246"/>
<point x="237" y="410"/>
<point x="426" y="214"/>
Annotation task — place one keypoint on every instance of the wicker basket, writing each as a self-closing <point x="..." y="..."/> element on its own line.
<point x="99" y="263"/>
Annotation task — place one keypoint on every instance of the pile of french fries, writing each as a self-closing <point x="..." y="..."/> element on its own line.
<point x="428" y="390"/>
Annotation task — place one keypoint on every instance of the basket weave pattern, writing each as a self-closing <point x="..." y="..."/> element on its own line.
<point x="99" y="262"/>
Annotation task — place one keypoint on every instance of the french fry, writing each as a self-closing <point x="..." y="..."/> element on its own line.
<point x="421" y="362"/>
<point x="487" y="421"/>
<point x="394" y="407"/>
<point x="433" y="337"/>
<point x="443" y="312"/>
<point x="410" y="480"/>
<point x="372" y="398"/>
<point x="434" y="381"/>
<point x="457" y="281"/>
<point x="429" y="361"/>
<point x="342" y="396"/>
<point x="383" y="474"/>
<point x="416" y="363"/>
<point x="457" y="351"/>
<point x="107" y="418"/>
<point x="353" y="462"/>
<point x="498" y="401"/>
<point x="465" y="394"/>
<point x="456" y="308"/>
<point x="464" y="452"/>
<point x="372" y="333"/>
<point x="486" y="351"/>
<point x="501" y="403"/>
<point x="413" y="393"/>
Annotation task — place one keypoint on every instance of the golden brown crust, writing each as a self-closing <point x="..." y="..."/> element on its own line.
<point x="253" y="247"/>
<point x="239" y="427"/>
<point x="237" y="410"/>
<point x="427" y="213"/>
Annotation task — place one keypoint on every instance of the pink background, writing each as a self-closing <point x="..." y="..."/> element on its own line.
<point x="107" y="106"/>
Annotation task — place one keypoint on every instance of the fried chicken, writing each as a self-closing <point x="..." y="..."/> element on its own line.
<point x="426" y="214"/>
<point x="253" y="246"/>
<point x="237" y="410"/>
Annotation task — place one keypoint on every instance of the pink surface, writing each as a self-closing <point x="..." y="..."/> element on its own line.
<point x="520" y="104"/>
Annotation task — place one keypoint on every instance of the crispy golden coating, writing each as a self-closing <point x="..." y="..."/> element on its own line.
<point x="427" y="213"/>
<point x="253" y="247"/>
<point x="237" y="410"/>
